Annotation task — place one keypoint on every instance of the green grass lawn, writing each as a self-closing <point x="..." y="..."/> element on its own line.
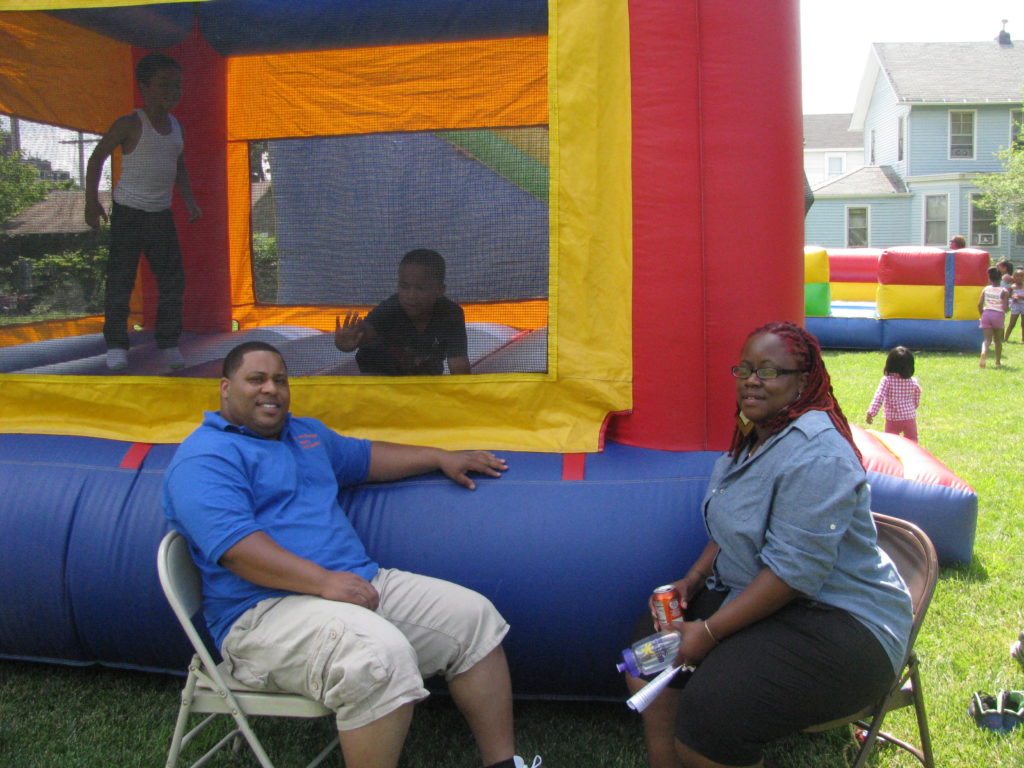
<point x="58" y="716"/>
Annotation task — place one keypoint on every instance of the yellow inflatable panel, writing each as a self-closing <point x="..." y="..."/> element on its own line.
<point x="815" y="264"/>
<point x="965" y="302"/>
<point x="854" y="291"/>
<point x="923" y="302"/>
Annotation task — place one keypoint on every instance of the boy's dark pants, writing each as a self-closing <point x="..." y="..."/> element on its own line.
<point x="133" y="232"/>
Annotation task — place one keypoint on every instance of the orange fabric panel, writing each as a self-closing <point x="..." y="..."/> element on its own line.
<point x="524" y="315"/>
<point x="12" y="335"/>
<point x="239" y="224"/>
<point x="475" y="84"/>
<point x="54" y="72"/>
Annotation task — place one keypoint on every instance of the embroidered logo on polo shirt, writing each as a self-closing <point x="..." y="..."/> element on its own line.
<point x="312" y="440"/>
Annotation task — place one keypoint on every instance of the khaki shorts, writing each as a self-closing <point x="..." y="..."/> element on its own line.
<point x="360" y="663"/>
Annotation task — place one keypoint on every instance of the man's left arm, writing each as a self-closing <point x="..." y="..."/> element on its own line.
<point x="392" y="461"/>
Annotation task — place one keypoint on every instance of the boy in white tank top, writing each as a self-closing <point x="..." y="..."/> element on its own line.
<point x="152" y="165"/>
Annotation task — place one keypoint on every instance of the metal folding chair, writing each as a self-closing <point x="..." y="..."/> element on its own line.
<point x="209" y="689"/>
<point x="914" y="555"/>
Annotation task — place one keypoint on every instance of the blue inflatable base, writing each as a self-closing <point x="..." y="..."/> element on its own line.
<point x="570" y="564"/>
<point x="874" y="333"/>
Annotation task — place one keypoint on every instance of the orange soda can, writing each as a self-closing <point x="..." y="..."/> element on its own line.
<point x="666" y="604"/>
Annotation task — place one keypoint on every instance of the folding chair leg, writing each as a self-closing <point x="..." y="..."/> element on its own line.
<point x="182" y="722"/>
<point x="869" y="742"/>
<point x="922" y="719"/>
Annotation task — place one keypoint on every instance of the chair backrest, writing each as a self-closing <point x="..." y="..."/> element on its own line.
<point x="183" y="587"/>
<point x="914" y="555"/>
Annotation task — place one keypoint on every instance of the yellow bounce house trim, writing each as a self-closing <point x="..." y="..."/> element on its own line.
<point x="589" y="304"/>
<point x="54" y="5"/>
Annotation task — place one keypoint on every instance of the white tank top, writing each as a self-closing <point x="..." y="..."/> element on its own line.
<point x="148" y="171"/>
<point x="993" y="298"/>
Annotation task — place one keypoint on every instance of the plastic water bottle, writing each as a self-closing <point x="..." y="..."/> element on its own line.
<point x="652" y="654"/>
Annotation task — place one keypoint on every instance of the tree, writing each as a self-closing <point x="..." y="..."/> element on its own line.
<point x="20" y="185"/>
<point x="1003" y="193"/>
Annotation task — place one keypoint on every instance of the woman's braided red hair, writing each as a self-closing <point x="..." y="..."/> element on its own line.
<point x="817" y="393"/>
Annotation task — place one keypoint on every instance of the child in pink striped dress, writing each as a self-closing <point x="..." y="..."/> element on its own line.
<point x="901" y="394"/>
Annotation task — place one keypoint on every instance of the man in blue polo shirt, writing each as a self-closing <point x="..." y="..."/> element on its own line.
<point x="289" y="593"/>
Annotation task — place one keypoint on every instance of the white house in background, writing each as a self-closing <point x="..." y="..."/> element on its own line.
<point x="934" y="117"/>
<point x="831" y="149"/>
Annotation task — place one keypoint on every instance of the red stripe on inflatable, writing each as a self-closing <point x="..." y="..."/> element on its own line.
<point x="134" y="456"/>
<point x="202" y="113"/>
<point x="709" y="204"/>
<point x="574" y="466"/>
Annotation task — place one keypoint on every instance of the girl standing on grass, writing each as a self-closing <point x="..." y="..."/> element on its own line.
<point x="900" y="392"/>
<point x="993" y="304"/>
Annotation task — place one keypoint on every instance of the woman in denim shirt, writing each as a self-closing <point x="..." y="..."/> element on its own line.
<point x="800" y="617"/>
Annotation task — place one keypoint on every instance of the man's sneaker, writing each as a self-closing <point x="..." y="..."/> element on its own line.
<point x="117" y="359"/>
<point x="173" y="357"/>
<point x="520" y="763"/>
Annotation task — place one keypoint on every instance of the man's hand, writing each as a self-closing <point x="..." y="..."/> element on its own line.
<point x="194" y="211"/>
<point x="458" y="464"/>
<point x="345" y="587"/>
<point x="350" y="335"/>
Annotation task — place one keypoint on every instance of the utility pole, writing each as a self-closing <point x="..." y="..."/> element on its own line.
<point x="81" y="141"/>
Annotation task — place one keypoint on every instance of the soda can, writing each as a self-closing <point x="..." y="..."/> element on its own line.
<point x="666" y="604"/>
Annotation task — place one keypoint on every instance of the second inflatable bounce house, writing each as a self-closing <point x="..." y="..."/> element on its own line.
<point x="586" y="168"/>
<point x="915" y="296"/>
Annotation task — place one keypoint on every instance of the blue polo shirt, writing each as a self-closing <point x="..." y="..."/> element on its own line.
<point x="801" y="506"/>
<point x="226" y="482"/>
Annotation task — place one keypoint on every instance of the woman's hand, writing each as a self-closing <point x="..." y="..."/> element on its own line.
<point x="696" y="643"/>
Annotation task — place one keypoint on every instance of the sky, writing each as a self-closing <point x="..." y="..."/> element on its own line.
<point x="835" y="38"/>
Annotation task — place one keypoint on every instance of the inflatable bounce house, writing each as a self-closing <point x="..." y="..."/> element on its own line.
<point x="915" y="296"/>
<point x="581" y="164"/>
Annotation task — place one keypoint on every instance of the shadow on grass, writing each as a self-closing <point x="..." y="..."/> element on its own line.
<point x="974" y="571"/>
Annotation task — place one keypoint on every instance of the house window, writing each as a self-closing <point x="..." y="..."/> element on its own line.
<point x="872" y="148"/>
<point x="1016" y="127"/>
<point x="836" y="165"/>
<point x="900" y="125"/>
<point x="984" y="230"/>
<point x="856" y="227"/>
<point x="961" y="134"/>
<point x="936" y="220"/>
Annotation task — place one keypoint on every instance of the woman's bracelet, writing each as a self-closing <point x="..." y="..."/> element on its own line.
<point x="710" y="633"/>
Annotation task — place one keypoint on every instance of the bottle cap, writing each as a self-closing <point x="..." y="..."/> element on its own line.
<point x="628" y="663"/>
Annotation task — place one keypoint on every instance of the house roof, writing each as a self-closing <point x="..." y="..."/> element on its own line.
<point x="830" y="132"/>
<point x="944" y="73"/>
<point x="869" y="181"/>
<point x="62" y="212"/>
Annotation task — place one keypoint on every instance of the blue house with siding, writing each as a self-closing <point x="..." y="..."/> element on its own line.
<point x="934" y="116"/>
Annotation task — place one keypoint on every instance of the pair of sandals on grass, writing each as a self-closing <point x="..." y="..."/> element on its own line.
<point x="1003" y="712"/>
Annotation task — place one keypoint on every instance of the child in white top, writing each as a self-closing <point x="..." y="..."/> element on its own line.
<point x="900" y="392"/>
<point x="992" y="306"/>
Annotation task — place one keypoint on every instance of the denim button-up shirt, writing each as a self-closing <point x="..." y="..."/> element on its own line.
<point x="801" y="507"/>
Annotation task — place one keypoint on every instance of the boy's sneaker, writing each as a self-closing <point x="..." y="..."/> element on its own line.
<point x="520" y="763"/>
<point x="117" y="359"/>
<point x="174" y="358"/>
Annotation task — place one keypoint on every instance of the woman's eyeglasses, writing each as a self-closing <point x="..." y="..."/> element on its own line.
<point x="764" y="374"/>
